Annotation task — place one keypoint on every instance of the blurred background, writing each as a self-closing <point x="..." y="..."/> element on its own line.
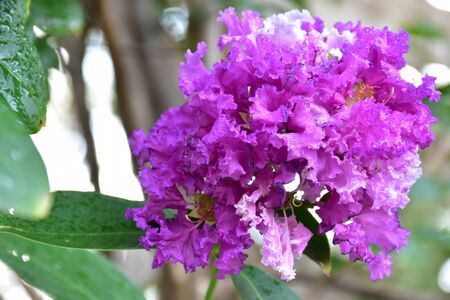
<point x="115" y="70"/>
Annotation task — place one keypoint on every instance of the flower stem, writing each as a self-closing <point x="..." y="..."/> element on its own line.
<point x="212" y="285"/>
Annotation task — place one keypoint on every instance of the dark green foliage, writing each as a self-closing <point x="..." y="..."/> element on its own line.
<point x="24" y="85"/>
<point x="66" y="273"/>
<point x="254" y="284"/>
<point x="84" y="220"/>
<point x="24" y="187"/>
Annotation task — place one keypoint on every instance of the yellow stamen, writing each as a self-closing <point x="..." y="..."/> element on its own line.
<point x="361" y="91"/>
<point x="296" y="202"/>
<point x="390" y="96"/>
<point x="204" y="210"/>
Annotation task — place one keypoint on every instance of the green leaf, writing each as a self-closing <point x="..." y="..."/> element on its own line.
<point x="239" y="4"/>
<point x="57" y="17"/>
<point x="318" y="248"/>
<point x="441" y="109"/>
<point x="47" y="53"/>
<point x="424" y="29"/>
<point x="23" y="81"/>
<point x="298" y="3"/>
<point x="65" y="273"/>
<point x="254" y="284"/>
<point x="24" y="188"/>
<point x="85" y="220"/>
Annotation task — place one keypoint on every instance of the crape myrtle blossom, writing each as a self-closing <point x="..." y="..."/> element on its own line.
<point x="290" y="99"/>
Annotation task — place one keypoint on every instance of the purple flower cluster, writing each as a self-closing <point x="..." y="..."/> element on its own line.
<point x="293" y="111"/>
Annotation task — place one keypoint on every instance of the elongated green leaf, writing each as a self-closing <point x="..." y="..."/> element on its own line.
<point x="57" y="17"/>
<point x="80" y="220"/>
<point x="254" y="284"/>
<point x="65" y="273"/>
<point x="318" y="248"/>
<point x="23" y="81"/>
<point x="24" y="188"/>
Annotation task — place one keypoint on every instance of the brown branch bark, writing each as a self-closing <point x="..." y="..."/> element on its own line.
<point x="76" y="48"/>
<point x="132" y="91"/>
<point x="145" y="61"/>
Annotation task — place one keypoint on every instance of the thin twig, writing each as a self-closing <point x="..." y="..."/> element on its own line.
<point x="30" y="290"/>
<point x="76" y="49"/>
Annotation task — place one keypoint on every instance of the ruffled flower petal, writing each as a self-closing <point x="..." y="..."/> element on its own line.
<point x="283" y="239"/>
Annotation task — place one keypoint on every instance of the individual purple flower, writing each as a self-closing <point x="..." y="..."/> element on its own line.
<point x="294" y="111"/>
<point x="283" y="239"/>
